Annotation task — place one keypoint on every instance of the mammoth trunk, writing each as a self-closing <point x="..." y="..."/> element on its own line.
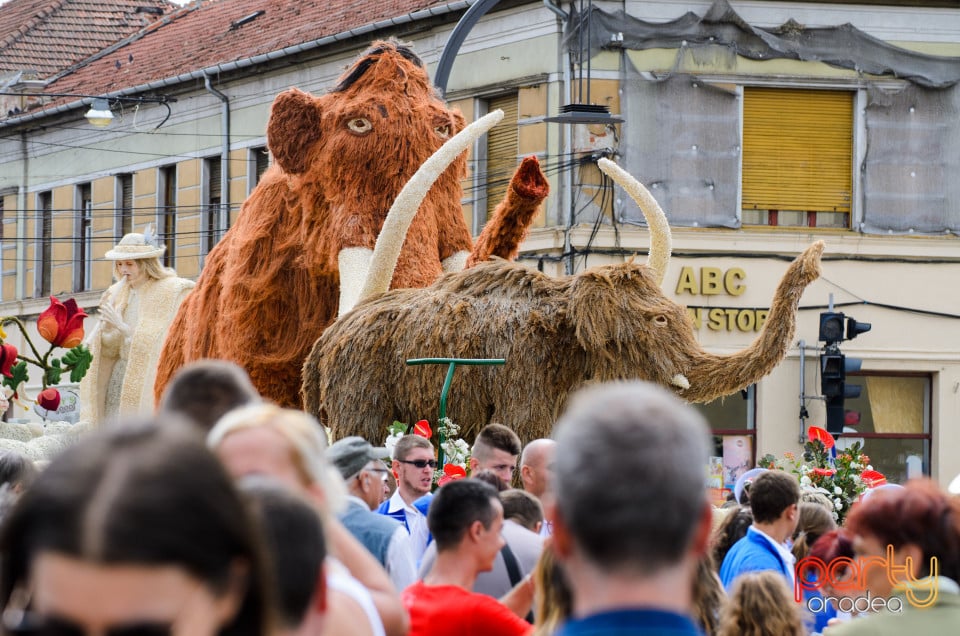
<point x="712" y="376"/>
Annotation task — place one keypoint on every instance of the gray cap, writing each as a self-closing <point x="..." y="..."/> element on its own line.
<point x="351" y="454"/>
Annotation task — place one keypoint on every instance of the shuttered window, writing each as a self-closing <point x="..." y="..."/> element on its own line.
<point x="125" y="222"/>
<point x="502" y="149"/>
<point x="797" y="156"/>
<point x="212" y="214"/>
<point x="168" y="216"/>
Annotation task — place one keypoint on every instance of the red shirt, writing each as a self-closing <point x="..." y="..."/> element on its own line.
<point x="448" y="610"/>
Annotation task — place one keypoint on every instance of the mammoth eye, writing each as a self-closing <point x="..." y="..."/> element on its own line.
<point x="443" y="131"/>
<point x="360" y="125"/>
<point x="660" y="320"/>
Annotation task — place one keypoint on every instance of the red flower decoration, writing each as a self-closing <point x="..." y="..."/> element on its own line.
<point x="8" y="358"/>
<point x="422" y="428"/>
<point x="815" y="433"/>
<point x="452" y="472"/>
<point x="49" y="399"/>
<point x="61" y="324"/>
<point x="873" y="478"/>
<point x="824" y="472"/>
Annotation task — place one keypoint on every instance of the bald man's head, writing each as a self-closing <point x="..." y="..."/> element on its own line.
<point x="535" y="466"/>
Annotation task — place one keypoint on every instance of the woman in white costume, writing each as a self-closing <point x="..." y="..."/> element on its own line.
<point x="135" y="314"/>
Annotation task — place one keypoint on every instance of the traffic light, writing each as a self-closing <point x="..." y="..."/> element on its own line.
<point x="835" y="327"/>
<point x="834" y="366"/>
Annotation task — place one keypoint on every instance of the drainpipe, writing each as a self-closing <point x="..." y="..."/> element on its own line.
<point x="560" y="12"/>
<point x="224" y="220"/>
<point x="21" y="283"/>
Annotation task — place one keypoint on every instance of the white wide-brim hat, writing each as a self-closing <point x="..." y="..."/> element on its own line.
<point x="133" y="247"/>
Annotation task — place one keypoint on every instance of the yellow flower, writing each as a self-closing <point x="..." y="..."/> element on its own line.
<point x="3" y="334"/>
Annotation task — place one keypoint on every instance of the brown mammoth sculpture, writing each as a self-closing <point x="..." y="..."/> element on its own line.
<point x="556" y="334"/>
<point x="302" y="245"/>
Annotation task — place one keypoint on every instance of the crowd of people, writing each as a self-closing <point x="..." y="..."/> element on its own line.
<point x="224" y="514"/>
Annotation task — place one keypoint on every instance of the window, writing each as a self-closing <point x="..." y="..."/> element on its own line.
<point x="797" y="157"/>
<point x="8" y="242"/>
<point x="83" y="243"/>
<point x="733" y="420"/>
<point x="892" y="420"/>
<point x="43" y="276"/>
<point x="123" y="223"/>
<point x="167" y="214"/>
<point x="502" y="151"/>
<point x="260" y="161"/>
<point x="211" y="209"/>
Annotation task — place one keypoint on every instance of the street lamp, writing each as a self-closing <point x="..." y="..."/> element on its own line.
<point x="99" y="114"/>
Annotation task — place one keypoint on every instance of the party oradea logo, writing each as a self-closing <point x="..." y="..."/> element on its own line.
<point x="847" y="578"/>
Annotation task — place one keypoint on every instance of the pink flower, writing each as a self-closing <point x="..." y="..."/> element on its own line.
<point x="824" y="472"/>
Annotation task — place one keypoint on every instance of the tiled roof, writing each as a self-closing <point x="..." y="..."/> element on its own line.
<point x="212" y="32"/>
<point x="50" y="35"/>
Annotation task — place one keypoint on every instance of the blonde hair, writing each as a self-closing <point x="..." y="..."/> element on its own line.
<point x="761" y="605"/>
<point x="708" y="595"/>
<point x="814" y="522"/>
<point x="553" y="600"/>
<point x="151" y="267"/>
<point x="306" y="437"/>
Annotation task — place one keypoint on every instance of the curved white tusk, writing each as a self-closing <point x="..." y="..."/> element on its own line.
<point x="661" y="241"/>
<point x="405" y="206"/>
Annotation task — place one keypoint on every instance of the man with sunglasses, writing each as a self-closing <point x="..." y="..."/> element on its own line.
<point x="413" y="463"/>
<point x="364" y="474"/>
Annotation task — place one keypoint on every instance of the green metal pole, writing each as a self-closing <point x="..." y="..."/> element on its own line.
<point x="453" y="362"/>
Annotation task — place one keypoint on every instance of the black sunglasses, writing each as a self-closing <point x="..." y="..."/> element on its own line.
<point x="420" y="463"/>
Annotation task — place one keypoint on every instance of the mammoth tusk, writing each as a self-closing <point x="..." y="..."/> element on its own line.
<point x="681" y="381"/>
<point x="661" y="242"/>
<point x="405" y="206"/>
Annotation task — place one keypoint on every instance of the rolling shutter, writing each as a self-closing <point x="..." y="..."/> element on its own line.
<point x="502" y="149"/>
<point x="797" y="149"/>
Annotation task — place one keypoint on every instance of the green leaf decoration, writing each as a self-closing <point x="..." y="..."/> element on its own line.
<point x="78" y="360"/>
<point x="55" y="363"/>
<point x="18" y="374"/>
<point x="53" y="375"/>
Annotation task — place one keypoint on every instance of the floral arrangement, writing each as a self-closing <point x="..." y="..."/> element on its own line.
<point x="454" y="453"/>
<point x="841" y="476"/>
<point x="61" y="325"/>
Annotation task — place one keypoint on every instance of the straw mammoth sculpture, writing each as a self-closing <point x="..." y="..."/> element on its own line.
<point x="302" y="246"/>
<point x="556" y="334"/>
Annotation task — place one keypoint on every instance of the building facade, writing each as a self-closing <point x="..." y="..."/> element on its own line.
<point x="759" y="126"/>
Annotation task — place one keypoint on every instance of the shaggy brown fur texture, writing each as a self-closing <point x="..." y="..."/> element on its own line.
<point x="557" y="334"/>
<point x="271" y="286"/>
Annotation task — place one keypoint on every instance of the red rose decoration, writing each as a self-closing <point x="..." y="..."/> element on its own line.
<point x="451" y="472"/>
<point x="8" y="358"/>
<point x="49" y="399"/>
<point x="422" y="428"/>
<point x="815" y="433"/>
<point x="873" y="478"/>
<point x="61" y="324"/>
<point x="824" y="472"/>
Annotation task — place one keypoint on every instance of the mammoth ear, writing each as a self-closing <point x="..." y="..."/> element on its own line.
<point x="294" y="126"/>
<point x="596" y="310"/>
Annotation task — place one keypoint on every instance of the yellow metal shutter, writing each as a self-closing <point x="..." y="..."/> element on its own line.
<point x="797" y="149"/>
<point x="502" y="149"/>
